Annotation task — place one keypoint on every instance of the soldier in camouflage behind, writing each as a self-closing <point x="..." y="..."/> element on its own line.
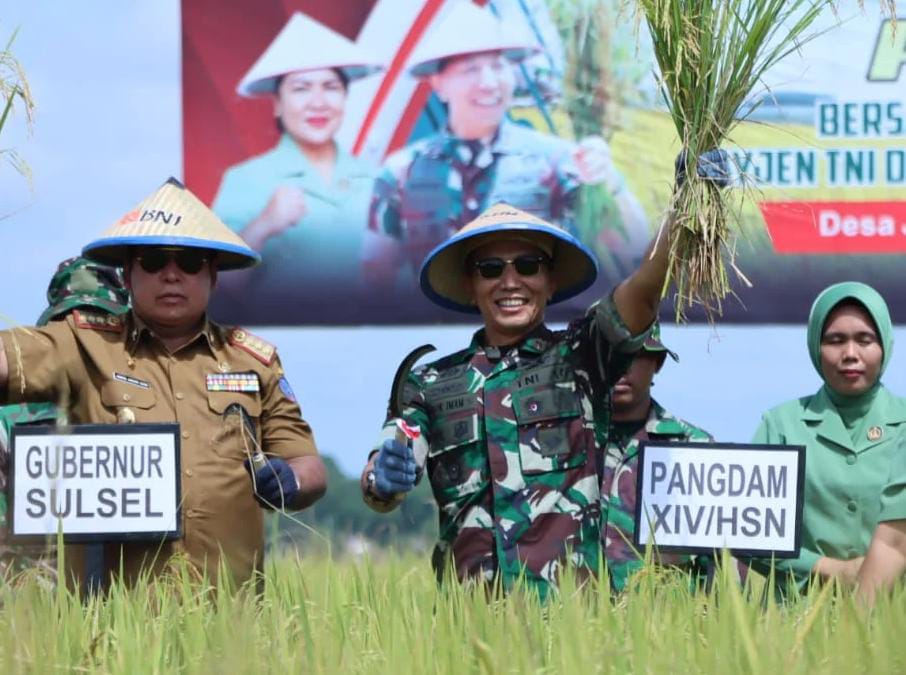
<point x="78" y="282"/>
<point x="637" y="417"/>
<point x="513" y="426"/>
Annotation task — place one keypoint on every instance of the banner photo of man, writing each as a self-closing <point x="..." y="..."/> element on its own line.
<point x="344" y="141"/>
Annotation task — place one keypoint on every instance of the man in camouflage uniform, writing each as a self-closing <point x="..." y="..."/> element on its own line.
<point x="77" y="283"/>
<point x="427" y="191"/>
<point x="512" y="427"/>
<point x="637" y="417"/>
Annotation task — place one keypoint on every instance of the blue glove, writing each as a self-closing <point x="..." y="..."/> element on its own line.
<point x="394" y="469"/>
<point x="275" y="484"/>
<point x="713" y="165"/>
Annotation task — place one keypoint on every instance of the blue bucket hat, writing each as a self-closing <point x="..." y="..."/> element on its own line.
<point x="574" y="266"/>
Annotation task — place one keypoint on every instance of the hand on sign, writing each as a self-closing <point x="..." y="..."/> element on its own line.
<point x="713" y="165"/>
<point x="274" y="484"/>
<point x="394" y="469"/>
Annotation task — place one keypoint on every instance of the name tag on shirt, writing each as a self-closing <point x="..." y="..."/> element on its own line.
<point x="131" y="380"/>
<point x="232" y="382"/>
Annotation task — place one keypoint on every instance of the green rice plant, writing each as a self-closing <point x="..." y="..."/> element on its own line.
<point x="711" y="55"/>
<point x="322" y="615"/>
<point x="15" y="94"/>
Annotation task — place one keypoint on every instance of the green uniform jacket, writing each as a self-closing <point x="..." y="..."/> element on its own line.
<point x="843" y="479"/>
<point x="893" y="498"/>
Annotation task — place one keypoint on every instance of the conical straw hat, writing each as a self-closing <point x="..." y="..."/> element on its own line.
<point x="574" y="268"/>
<point x="468" y="29"/>
<point x="305" y="44"/>
<point x="172" y="216"/>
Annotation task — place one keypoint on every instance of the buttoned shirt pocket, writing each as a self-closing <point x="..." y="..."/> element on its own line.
<point x="551" y="427"/>
<point x="237" y="434"/>
<point x="116" y="395"/>
<point x="457" y="462"/>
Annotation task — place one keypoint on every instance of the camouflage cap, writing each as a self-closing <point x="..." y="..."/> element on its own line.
<point x="653" y="342"/>
<point x="79" y="282"/>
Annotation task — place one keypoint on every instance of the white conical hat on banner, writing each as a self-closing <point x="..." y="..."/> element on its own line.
<point x="469" y="29"/>
<point x="172" y="216"/>
<point x="305" y="44"/>
<point x="574" y="266"/>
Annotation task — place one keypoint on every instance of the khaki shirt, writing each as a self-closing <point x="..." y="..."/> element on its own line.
<point x="86" y="363"/>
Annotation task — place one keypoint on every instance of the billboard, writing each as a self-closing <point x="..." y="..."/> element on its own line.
<point x="345" y="140"/>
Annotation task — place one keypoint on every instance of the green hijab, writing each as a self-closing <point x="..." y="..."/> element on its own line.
<point x="852" y="408"/>
<point x="832" y="296"/>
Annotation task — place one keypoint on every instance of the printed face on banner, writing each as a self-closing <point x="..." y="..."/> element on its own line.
<point x="346" y="196"/>
<point x="310" y="106"/>
<point x="478" y="90"/>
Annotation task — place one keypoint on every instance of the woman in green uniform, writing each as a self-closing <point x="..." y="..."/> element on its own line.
<point x="850" y="429"/>
<point x="302" y="205"/>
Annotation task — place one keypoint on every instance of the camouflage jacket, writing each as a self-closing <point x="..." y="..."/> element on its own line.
<point x="20" y="413"/>
<point x="513" y="456"/>
<point x="17" y="558"/>
<point x="429" y="190"/>
<point x="619" y="496"/>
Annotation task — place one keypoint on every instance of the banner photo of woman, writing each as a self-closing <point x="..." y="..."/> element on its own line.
<point x="345" y="141"/>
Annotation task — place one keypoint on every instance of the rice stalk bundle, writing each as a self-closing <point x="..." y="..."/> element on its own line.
<point x="711" y="55"/>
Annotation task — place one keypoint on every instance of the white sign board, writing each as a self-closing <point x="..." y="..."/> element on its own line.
<point x="96" y="482"/>
<point x="700" y="497"/>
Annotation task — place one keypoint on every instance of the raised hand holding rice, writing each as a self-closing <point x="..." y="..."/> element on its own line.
<point x="711" y="55"/>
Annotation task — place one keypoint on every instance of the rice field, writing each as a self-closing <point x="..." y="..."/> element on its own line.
<point x="389" y="616"/>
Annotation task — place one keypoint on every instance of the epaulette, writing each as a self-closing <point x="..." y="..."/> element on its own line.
<point x="97" y="320"/>
<point x="261" y="349"/>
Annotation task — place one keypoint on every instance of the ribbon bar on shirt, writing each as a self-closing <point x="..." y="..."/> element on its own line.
<point x="232" y="382"/>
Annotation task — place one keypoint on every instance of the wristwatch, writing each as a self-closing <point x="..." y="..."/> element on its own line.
<point x="370" y="479"/>
<point x="376" y="501"/>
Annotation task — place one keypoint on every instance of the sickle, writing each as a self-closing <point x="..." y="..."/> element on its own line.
<point x="399" y="380"/>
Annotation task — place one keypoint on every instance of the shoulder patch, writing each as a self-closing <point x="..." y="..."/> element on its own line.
<point x="97" y="320"/>
<point x="262" y="350"/>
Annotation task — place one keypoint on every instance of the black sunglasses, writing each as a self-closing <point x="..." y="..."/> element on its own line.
<point x="188" y="260"/>
<point x="525" y="265"/>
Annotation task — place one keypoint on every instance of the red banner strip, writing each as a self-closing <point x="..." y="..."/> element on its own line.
<point x="835" y="228"/>
<point x="419" y="26"/>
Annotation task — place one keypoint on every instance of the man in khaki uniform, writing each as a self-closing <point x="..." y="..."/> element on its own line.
<point x="166" y="362"/>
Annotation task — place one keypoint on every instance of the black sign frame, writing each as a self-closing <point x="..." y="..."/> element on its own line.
<point x="743" y="552"/>
<point x="169" y="428"/>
